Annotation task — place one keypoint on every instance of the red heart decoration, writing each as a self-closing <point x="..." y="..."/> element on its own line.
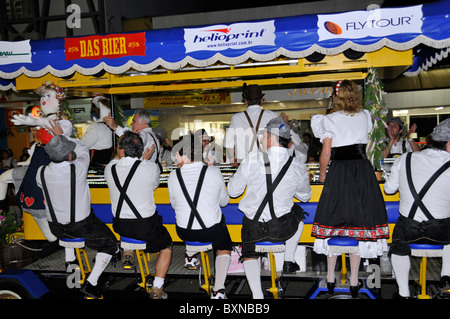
<point x="29" y="201"/>
<point x="21" y="196"/>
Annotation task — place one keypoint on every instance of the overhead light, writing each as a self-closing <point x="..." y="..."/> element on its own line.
<point x="400" y="113"/>
<point x="439" y="108"/>
<point x="188" y="105"/>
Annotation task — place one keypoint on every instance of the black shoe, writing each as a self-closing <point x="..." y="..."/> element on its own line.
<point x="91" y="291"/>
<point x="397" y="296"/>
<point x="290" y="267"/>
<point x="444" y="286"/>
<point x="355" y="289"/>
<point x="127" y="262"/>
<point x="330" y="286"/>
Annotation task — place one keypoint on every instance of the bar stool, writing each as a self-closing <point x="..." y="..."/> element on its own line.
<point x="424" y="251"/>
<point x="343" y="245"/>
<point x="271" y="247"/>
<point x="78" y="245"/>
<point x="138" y="246"/>
<point x="203" y="248"/>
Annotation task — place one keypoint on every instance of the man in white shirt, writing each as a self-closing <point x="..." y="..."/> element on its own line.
<point x="274" y="217"/>
<point x="241" y="136"/>
<point x="131" y="184"/>
<point x="64" y="183"/>
<point x="428" y="224"/>
<point x="206" y="223"/>
<point x="142" y="125"/>
<point x="397" y="145"/>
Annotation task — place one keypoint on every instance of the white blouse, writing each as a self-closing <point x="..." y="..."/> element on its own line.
<point x="342" y="128"/>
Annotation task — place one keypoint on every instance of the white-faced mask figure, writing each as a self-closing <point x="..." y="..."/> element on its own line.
<point x="51" y="97"/>
<point x="49" y="103"/>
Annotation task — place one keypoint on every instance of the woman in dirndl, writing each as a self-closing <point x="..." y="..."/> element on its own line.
<point x="351" y="203"/>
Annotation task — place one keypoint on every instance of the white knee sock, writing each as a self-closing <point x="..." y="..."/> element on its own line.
<point x="292" y="243"/>
<point x="222" y="263"/>
<point x="401" y="266"/>
<point x="101" y="261"/>
<point x="191" y="253"/>
<point x="445" y="271"/>
<point x="70" y="254"/>
<point x="253" y="275"/>
<point x="158" y="282"/>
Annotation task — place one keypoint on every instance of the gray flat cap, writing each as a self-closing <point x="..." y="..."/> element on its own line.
<point x="399" y="122"/>
<point x="277" y="126"/>
<point x="442" y="131"/>
<point x="59" y="148"/>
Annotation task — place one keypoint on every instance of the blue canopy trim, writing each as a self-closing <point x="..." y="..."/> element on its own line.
<point x="425" y="58"/>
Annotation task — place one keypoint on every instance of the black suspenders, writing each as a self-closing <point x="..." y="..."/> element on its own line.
<point x="418" y="197"/>
<point x="255" y="130"/>
<point x="72" y="194"/>
<point x="123" y="190"/>
<point x="157" y="153"/>
<point x="271" y="187"/>
<point x="193" y="204"/>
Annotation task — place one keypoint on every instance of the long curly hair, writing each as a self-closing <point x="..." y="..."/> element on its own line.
<point x="347" y="97"/>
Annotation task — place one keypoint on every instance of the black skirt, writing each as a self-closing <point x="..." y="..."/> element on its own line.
<point x="351" y="203"/>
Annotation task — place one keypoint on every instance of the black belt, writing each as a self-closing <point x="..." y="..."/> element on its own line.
<point x="349" y="152"/>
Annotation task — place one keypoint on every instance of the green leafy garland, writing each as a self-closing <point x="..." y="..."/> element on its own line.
<point x="374" y="103"/>
<point x="119" y="115"/>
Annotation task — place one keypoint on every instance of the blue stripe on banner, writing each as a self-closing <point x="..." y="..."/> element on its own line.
<point x="231" y="212"/>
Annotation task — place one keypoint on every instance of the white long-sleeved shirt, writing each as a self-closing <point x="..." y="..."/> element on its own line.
<point x="57" y="178"/>
<point x="98" y="136"/>
<point x="239" y="134"/>
<point x="146" y="135"/>
<point x="398" y="148"/>
<point x="423" y="165"/>
<point x="140" y="190"/>
<point x="251" y="176"/>
<point x="212" y="196"/>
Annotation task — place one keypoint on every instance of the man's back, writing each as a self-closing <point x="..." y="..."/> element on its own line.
<point x="251" y="177"/>
<point x="58" y="181"/>
<point x="140" y="190"/>
<point x="240" y="135"/>
<point x="212" y="196"/>
<point x="423" y="165"/>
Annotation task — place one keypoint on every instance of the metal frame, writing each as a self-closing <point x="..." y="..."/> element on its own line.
<point x="38" y="22"/>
